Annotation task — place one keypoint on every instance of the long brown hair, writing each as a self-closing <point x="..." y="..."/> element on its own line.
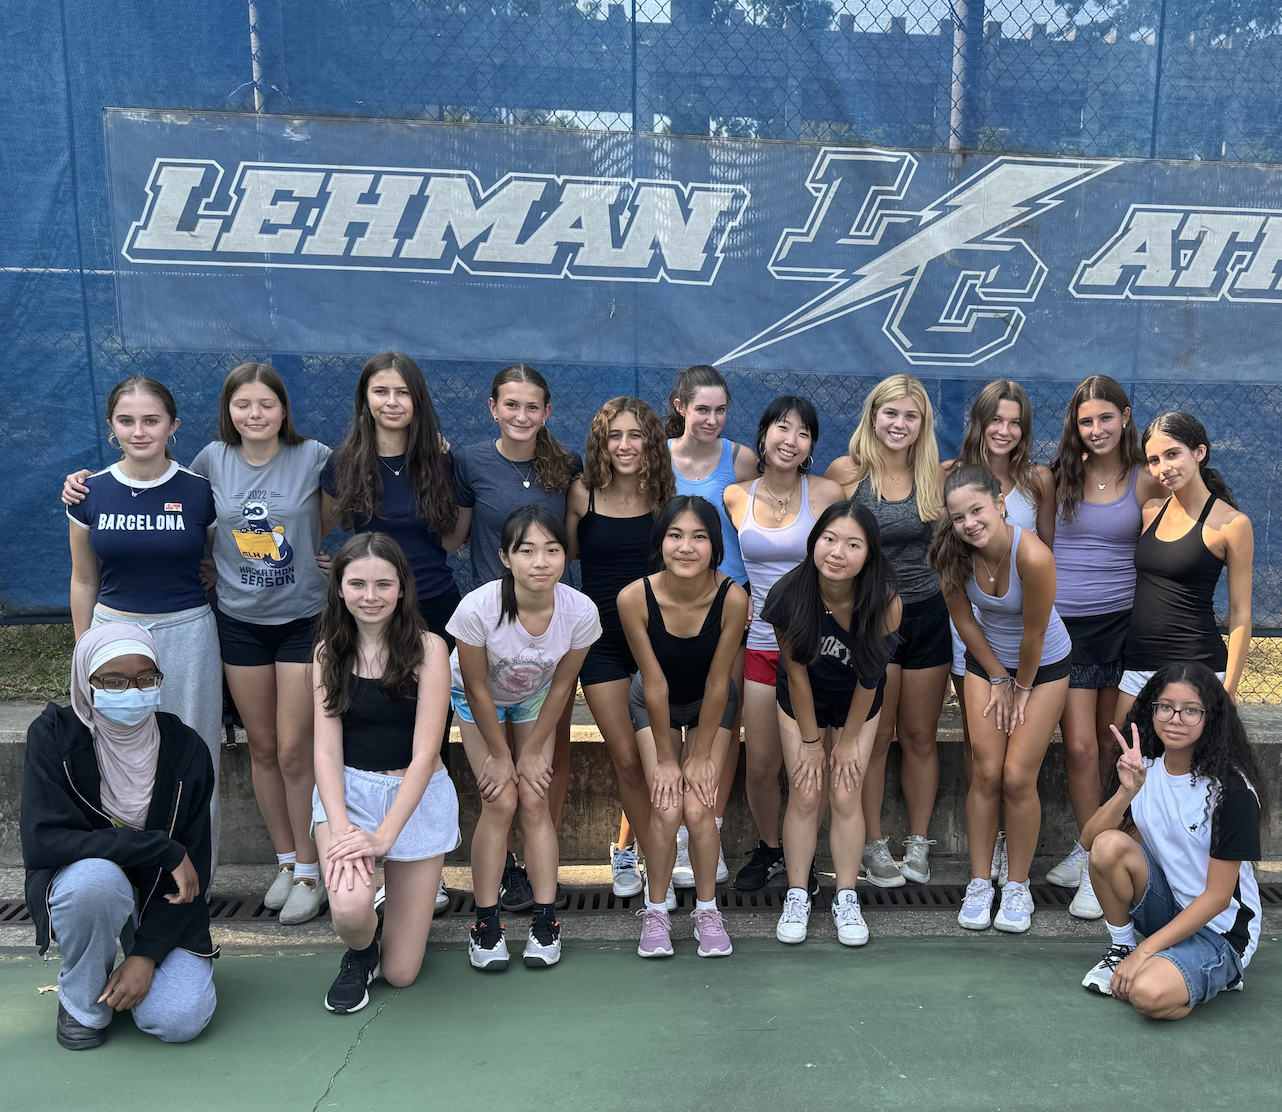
<point x="336" y="636"/>
<point x="358" y="477"/>
<point x="690" y="381"/>
<point x="1069" y="467"/>
<point x="974" y="447"/>
<point x="269" y="377"/>
<point x="950" y="557"/>
<point x="656" y="478"/>
<point x="1190" y="432"/>
<point x="141" y="384"/>
<point x="553" y="465"/>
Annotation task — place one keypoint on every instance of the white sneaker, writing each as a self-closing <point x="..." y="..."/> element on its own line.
<point x="539" y="954"/>
<point x="442" y="898"/>
<point x="623" y="867"/>
<point x="672" y="897"/>
<point x="723" y="873"/>
<point x="1015" y="915"/>
<point x="795" y="917"/>
<point x="1068" y="873"/>
<point x="1100" y="978"/>
<point x="1000" y="872"/>
<point x="1085" y="905"/>
<point x="307" y="899"/>
<point x="487" y="947"/>
<point x="278" y="893"/>
<point x="916" y="864"/>
<point x="851" y="928"/>
<point x="976" y="912"/>
<point x="879" y="867"/>
<point x="683" y="871"/>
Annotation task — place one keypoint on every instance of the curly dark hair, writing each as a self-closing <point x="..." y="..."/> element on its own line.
<point x="1223" y="755"/>
<point x="656" y="477"/>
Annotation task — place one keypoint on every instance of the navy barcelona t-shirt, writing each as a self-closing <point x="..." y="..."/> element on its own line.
<point x="148" y="537"/>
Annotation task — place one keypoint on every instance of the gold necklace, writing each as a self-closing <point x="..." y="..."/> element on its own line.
<point x="992" y="575"/>
<point x="782" y="511"/>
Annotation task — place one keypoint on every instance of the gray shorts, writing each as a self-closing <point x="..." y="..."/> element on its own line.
<point x="680" y="717"/>
<point x="432" y="829"/>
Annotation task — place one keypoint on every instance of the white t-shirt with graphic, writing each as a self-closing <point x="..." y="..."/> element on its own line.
<point x="520" y="664"/>
<point x="1173" y="818"/>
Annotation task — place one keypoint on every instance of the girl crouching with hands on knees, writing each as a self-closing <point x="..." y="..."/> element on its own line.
<point x="999" y="581"/>
<point x="684" y="625"/>
<point x="381" y="683"/>
<point x="519" y="643"/>
<point x="1192" y="784"/>
<point x="837" y="619"/>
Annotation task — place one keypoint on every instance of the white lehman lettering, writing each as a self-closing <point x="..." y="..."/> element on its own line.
<point x="1162" y="253"/>
<point x="435" y="221"/>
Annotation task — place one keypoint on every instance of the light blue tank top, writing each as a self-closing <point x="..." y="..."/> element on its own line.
<point x="712" y="488"/>
<point x="1002" y="618"/>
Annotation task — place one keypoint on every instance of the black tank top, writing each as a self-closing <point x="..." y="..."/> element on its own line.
<point x="685" y="660"/>
<point x="613" y="552"/>
<point x="1173" y="620"/>
<point x="378" y="732"/>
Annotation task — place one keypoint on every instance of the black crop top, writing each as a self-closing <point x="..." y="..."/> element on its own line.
<point x="613" y="552"/>
<point x="378" y="732"/>
<point x="685" y="660"/>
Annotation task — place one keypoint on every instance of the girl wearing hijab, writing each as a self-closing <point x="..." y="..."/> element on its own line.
<point x="116" y="843"/>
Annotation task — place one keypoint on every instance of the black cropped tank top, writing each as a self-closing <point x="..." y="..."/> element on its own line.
<point x="613" y="552"/>
<point x="378" y="732"/>
<point x="685" y="660"/>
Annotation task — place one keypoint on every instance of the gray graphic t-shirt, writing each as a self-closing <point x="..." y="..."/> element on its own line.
<point x="268" y="531"/>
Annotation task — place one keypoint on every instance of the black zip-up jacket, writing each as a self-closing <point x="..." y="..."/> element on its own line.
<point x="62" y="822"/>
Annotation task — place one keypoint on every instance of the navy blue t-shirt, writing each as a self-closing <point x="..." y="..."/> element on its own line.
<point x="398" y="518"/>
<point x="148" y="537"/>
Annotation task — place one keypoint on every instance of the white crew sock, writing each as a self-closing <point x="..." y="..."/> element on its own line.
<point x="1123" y="936"/>
<point x="662" y="905"/>
<point x="719" y="822"/>
<point x="307" y="872"/>
<point x="705" y="905"/>
<point x="283" y="859"/>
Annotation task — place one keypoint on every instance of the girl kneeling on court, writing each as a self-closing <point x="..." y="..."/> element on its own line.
<point x="684" y="625"/>
<point x="1194" y="789"/>
<point x="380" y="681"/>
<point x="519" y="643"/>
<point x="836" y="616"/>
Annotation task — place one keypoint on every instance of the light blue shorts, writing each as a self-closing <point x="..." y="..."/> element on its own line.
<point x="432" y="828"/>
<point x="526" y="711"/>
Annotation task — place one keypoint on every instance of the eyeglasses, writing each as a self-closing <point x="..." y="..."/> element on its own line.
<point x="148" y="681"/>
<point x="1190" y="716"/>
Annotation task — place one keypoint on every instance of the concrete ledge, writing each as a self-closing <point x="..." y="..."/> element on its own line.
<point x="591" y="818"/>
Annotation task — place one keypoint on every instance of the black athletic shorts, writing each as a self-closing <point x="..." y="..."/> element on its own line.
<point x="250" y="645"/>
<point x="608" y="659"/>
<point x="831" y="707"/>
<point x="925" y="640"/>
<point x="1047" y="673"/>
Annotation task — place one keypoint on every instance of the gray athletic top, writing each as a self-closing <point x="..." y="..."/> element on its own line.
<point x="906" y="540"/>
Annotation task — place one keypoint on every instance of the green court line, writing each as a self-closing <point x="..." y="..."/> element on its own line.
<point x="916" y="1023"/>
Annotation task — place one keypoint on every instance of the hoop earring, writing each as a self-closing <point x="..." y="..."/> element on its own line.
<point x="111" y="439"/>
<point x="172" y="441"/>
<point x="810" y="462"/>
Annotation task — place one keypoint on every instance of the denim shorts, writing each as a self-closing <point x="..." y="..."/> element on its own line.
<point x="432" y="828"/>
<point x="1206" y="960"/>
<point x="526" y="711"/>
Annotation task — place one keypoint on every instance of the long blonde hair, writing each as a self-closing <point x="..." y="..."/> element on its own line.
<point x="868" y="457"/>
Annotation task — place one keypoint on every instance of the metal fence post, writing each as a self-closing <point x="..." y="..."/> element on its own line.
<point x="255" y="57"/>
<point x="1157" y="80"/>
<point x="968" y="44"/>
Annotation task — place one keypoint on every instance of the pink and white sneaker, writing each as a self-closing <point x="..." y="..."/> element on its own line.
<point x="710" y="933"/>
<point x="656" y="934"/>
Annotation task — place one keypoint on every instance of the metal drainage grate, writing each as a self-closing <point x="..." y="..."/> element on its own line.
<point x="14" y="914"/>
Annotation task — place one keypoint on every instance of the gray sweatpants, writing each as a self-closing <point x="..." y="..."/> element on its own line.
<point x="91" y="905"/>
<point x="187" y="644"/>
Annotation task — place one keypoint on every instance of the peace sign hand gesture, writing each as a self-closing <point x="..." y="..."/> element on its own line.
<point x="1130" y="765"/>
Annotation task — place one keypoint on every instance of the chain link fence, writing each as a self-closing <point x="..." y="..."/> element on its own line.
<point x="1138" y="78"/>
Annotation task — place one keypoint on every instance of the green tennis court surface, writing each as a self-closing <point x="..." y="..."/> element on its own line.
<point x="922" y="1023"/>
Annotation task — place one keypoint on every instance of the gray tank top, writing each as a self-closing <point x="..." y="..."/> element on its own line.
<point x="906" y="540"/>
<point x="1002" y="618"/>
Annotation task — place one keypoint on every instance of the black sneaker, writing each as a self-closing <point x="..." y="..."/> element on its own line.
<point x="74" y="1035"/>
<point x="350" y="990"/>
<point x="814" y="882"/>
<point x="562" y="897"/>
<point x="515" y="893"/>
<point x="763" y="866"/>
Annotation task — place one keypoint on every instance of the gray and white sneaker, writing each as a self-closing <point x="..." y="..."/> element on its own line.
<point x="795" y="917"/>
<point x="1068" y="873"/>
<point x="1000" y="872"/>
<point x="976" y="912"/>
<point x="486" y="946"/>
<point x="879" y="866"/>
<point x="278" y="893"/>
<point x="1085" y="905"/>
<point x="723" y="873"/>
<point x="626" y="876"/>
<point x="1015" y="915"/>
<point x="442" y="897"/>
<point x="916" y="864"/>
<point x="543" y="946"/>
<point x="683" y="871"/>
<point x="1100" y="978"/>
<point x="307" y="899"/>
<point x="851" y="928"/>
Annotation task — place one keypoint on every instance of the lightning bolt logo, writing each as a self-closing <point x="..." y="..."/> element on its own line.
<point x="953" y="284"/>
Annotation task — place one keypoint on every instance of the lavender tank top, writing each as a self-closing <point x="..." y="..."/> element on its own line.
<point x="1095" y="556"/>
<point x="767" y="554"/>
<point x="1002" y="618"/>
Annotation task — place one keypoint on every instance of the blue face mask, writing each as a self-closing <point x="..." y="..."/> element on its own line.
<point x="126" y="708"/>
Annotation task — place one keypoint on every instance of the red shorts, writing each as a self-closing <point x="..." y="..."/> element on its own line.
<point x="759" y="665"/>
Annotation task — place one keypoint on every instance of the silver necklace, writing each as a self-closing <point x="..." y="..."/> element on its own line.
<point x="525" y="479"/>
<point x="394" y="470"/>
<point x="147" y="484"/>
<point x="992" y="575"/>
